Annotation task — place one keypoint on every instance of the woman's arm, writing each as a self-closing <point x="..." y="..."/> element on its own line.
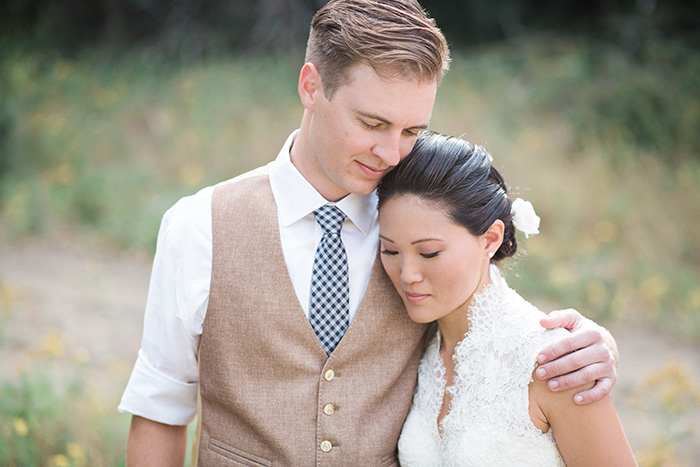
<point x="587" y="435"/>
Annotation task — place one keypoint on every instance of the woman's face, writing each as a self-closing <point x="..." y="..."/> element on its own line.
<point x="435" y="264"/>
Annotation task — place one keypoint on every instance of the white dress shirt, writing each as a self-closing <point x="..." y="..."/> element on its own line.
<point x="164" y="382"/>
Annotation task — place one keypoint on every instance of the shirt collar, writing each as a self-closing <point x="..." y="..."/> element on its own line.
<point x="296" y="197"/>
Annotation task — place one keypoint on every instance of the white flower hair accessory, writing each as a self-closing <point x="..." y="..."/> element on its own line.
<point x="524" y="217"/>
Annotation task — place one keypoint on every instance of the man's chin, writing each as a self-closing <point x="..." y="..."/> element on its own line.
<point x="366" y="187"/>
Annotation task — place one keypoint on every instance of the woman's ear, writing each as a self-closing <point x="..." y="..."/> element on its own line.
<point x="494" y="236"/>
<point x="310" y="87"/>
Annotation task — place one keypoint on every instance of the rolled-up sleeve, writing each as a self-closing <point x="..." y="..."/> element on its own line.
<point x="164" y="382"/>
<point x="154" y="395"/>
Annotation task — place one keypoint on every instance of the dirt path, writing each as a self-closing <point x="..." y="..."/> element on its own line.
<point x="88" y="307"/>
<point x="75" y="305"/>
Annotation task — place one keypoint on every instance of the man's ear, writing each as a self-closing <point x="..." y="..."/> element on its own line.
<point x="494" y="236"/>
<point x="310" y="87"/>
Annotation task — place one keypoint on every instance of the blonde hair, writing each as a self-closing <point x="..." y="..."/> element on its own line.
<point x="396" y="38"/>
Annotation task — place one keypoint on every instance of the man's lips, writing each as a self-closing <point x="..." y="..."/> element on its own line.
<point x="370" y="171"/>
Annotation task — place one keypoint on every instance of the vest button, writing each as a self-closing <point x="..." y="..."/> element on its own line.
<point x="329" y="409"/>
<point x="326" y="446"/>
<point x="329" y="375"/>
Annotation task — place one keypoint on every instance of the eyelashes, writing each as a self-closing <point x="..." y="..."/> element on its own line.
<point x="407" y="132"/>
<point x="394" y="253"/>
<point x="369" y="126"/>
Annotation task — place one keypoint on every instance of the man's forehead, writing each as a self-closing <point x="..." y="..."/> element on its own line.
<point x="388" y="75"/>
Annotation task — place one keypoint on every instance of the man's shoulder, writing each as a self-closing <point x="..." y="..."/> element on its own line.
<point x="187" y="219"/>
<point x="191" y="216"/>
<point x="187" y="208"/>
<point x="190" y="207"/>
<point x="240" y="181"/>
<point x="242" y="192"/>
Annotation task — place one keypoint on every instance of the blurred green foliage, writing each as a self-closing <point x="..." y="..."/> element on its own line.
<point x="109" y="144"/>
<point x="602" y="142"/>
<point x="48" y="418"/>
<point x="648" y="102"/>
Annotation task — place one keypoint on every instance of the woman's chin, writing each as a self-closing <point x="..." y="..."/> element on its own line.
<point x="419" y="318"/>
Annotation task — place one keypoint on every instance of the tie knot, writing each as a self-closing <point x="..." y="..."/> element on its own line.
<point x="330" y="218"/>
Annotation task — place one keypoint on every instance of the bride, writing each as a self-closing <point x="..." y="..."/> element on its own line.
<point x="446" y="221"/>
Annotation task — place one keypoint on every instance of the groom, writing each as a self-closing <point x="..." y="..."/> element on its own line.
<point x="236" y="321"/>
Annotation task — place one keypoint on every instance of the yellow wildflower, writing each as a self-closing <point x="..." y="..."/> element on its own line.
<point x="58" y="460"/>
<point x="653" y="288"/>
<point x="596" y="292"/>
<point x="20" y="426"/>
<point x="191" y="174"/>
<point x="81" y="356"/>
<point x="605" y="231"/>
<point x="54" y="344"/>
<point x="76" y="452"/>
<point x="560" y="276"/>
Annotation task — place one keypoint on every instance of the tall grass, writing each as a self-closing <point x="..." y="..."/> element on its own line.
<point x="605" y="144"/>
<point x="107" y="145"/>
<point x="49" y="415"/>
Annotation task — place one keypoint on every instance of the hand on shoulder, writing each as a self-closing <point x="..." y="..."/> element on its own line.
<point x="587" y="355"/>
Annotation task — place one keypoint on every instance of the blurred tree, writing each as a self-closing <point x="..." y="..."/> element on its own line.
<point x="179" y="27"/>
<point x="474" y="22"/>
<point x="190" y="28"/>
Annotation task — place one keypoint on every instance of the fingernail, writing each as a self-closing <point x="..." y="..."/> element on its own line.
<point x="553" y="384"/>
<point x="578" y="399"/>
<point x="541" y="358"/>
<point x="541" y="372"/>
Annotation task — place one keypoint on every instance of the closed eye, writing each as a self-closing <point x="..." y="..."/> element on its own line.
<point x="388" y="252"/>
<point x="370" y="126"/>
<point x="429" y="255"/>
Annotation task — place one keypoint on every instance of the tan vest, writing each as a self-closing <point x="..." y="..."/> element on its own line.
<point x="268" y="393"/>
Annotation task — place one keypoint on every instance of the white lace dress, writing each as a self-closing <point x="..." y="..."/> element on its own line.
<point x="488" y="423"/>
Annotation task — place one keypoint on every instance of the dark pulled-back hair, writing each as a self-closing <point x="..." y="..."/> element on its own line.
<point x="458" y="176"/>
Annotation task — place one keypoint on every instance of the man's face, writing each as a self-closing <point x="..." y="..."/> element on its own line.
<point x="363" y="131"/>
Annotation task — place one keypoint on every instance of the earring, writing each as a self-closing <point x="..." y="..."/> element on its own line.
<point x="491" y="254"/>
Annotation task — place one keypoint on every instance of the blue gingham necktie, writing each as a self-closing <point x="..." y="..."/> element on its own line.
<point x="329" y="301"/>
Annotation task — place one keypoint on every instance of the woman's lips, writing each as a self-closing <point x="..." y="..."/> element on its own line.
<point x="415" y="298"/>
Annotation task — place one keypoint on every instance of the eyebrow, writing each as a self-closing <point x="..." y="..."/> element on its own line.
<point x="387" y="122"/>
<point x="422" y="240"/>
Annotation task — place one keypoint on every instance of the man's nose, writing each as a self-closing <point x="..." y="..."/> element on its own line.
<point x="388" y="149"/>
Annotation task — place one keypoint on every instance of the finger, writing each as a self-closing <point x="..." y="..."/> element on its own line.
<point x="584" y="376"/>
<point x="574" y="341"/>
<point x="576" y="361"/>
<point x="561" y="319"/>
<point x="601" y="389"/>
